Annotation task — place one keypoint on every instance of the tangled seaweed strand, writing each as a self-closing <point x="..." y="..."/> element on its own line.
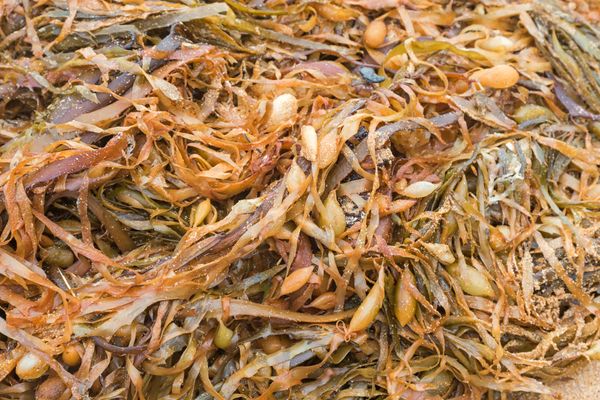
<point x="297" y="200"/>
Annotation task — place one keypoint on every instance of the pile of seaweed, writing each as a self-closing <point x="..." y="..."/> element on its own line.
<point x="278" y="199"/>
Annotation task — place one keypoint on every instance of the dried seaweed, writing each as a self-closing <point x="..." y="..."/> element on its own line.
<point x="303" y="200"/>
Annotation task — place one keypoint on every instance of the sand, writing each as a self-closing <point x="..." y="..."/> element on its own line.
<point x="584" y="385"/>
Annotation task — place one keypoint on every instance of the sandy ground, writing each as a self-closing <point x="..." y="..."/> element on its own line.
<point x="585" y="385"/>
